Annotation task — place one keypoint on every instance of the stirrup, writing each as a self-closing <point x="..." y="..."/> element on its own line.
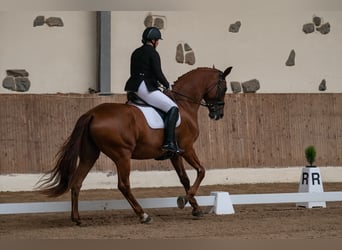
<point x="172" y="147"/>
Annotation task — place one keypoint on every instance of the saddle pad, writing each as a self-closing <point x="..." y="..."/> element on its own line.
<point x="152" y="117"/>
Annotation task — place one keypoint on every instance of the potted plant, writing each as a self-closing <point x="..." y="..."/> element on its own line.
<point x="310" y="154"/>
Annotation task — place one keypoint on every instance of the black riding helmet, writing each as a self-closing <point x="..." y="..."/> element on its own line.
<point x="151" y="33"/>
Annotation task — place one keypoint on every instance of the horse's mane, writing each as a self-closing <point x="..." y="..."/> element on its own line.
<point x="191" y="71"/>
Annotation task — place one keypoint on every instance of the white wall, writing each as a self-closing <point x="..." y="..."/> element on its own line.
<point x="63" y="59"/>
<point x="259" y="50"/>
<point x="58" y="59"/>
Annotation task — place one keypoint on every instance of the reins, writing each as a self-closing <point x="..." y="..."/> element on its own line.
<point x="204" y="103"/>
<point x="190" y="99"/>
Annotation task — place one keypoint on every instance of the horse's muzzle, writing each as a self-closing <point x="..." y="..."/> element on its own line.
<point x="215" y="116"/>
<point x="216" y="111"/>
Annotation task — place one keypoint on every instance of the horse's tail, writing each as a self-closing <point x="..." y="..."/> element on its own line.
<point x="56" y="182"/>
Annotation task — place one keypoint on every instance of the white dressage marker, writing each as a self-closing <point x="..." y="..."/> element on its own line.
<point x="311" y="182"/>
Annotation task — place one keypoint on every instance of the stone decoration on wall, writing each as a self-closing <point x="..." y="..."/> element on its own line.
<point x="185" y="54"/>
<point x="17" y="80"/>
<point x="316" y="25"/>
<point x="324" y="28"/>
<point x="308" y="28"/>
<point x="51" y="21"/>
<point x="235" y="27"/>
<point x="236" y="87"/>
<point x="155" y="21"/>
<point x="291" y="59"/>
<point x="317" y="21"/>
<point x="54" y="21"/>
<point x="39" y="21"/>
<point x="251" y="86"/>
<point x="323" y="85"/>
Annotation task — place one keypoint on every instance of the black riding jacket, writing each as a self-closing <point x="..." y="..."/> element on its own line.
<point x="145" y="65"/>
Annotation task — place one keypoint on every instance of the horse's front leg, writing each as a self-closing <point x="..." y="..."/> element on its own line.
<point x="192" y="159"/>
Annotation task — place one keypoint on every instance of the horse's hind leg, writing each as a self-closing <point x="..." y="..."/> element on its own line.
<point x="123" y="171"/>
<point x="88" y="156"/>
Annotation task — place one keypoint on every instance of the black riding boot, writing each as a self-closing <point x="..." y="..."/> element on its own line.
<point x="169" y="136"/>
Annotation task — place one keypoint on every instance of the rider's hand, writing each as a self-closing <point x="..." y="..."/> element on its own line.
<point x="166" y="88"/>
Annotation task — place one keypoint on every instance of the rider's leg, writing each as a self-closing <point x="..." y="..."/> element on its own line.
<point x="164" y="103"/>
<point x="155" y="98"/>
<point x="170" y="125"/>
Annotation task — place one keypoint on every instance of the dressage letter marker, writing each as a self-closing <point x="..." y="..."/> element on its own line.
<point x="223" y="203"/>
<point x="311" y="182"/>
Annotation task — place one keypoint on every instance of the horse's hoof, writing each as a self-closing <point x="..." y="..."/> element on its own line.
<point x="181" y="201"/>
<point x="197" y="213"/>
<point x="146" y="219"/>
<point x="76" y="221"/>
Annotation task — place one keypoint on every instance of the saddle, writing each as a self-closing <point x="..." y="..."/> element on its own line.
<point x="133" y="98"/>
<point x="154" y="116"/>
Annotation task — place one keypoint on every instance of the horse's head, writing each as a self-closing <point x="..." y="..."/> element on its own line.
<point x="214" y="97"/>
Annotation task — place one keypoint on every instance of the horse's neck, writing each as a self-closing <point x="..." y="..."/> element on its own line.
<point x="188" y="93"/>
<point x="190" y="89"/>
<point x="188" y="98"/>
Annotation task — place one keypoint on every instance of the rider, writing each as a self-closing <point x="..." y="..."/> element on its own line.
<point x="146" y="74"/>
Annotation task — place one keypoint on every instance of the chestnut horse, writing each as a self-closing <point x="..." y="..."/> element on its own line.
<point x="120" y="131"/>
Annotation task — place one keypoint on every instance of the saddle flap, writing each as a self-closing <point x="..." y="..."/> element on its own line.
<point x="155" y="119"/>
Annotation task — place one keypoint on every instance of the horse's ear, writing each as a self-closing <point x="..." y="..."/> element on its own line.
<point x="214" y="66"/>
<point x="227" y="71"/>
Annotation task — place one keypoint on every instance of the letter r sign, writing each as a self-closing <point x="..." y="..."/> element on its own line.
<point x="315" y="178"/>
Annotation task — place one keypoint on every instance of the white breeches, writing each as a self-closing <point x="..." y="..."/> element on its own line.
<point x="155" y="98"/>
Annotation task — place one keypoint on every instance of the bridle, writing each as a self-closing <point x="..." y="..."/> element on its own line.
<point x="216" y="103"/>
<point x="220" y="91"/>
